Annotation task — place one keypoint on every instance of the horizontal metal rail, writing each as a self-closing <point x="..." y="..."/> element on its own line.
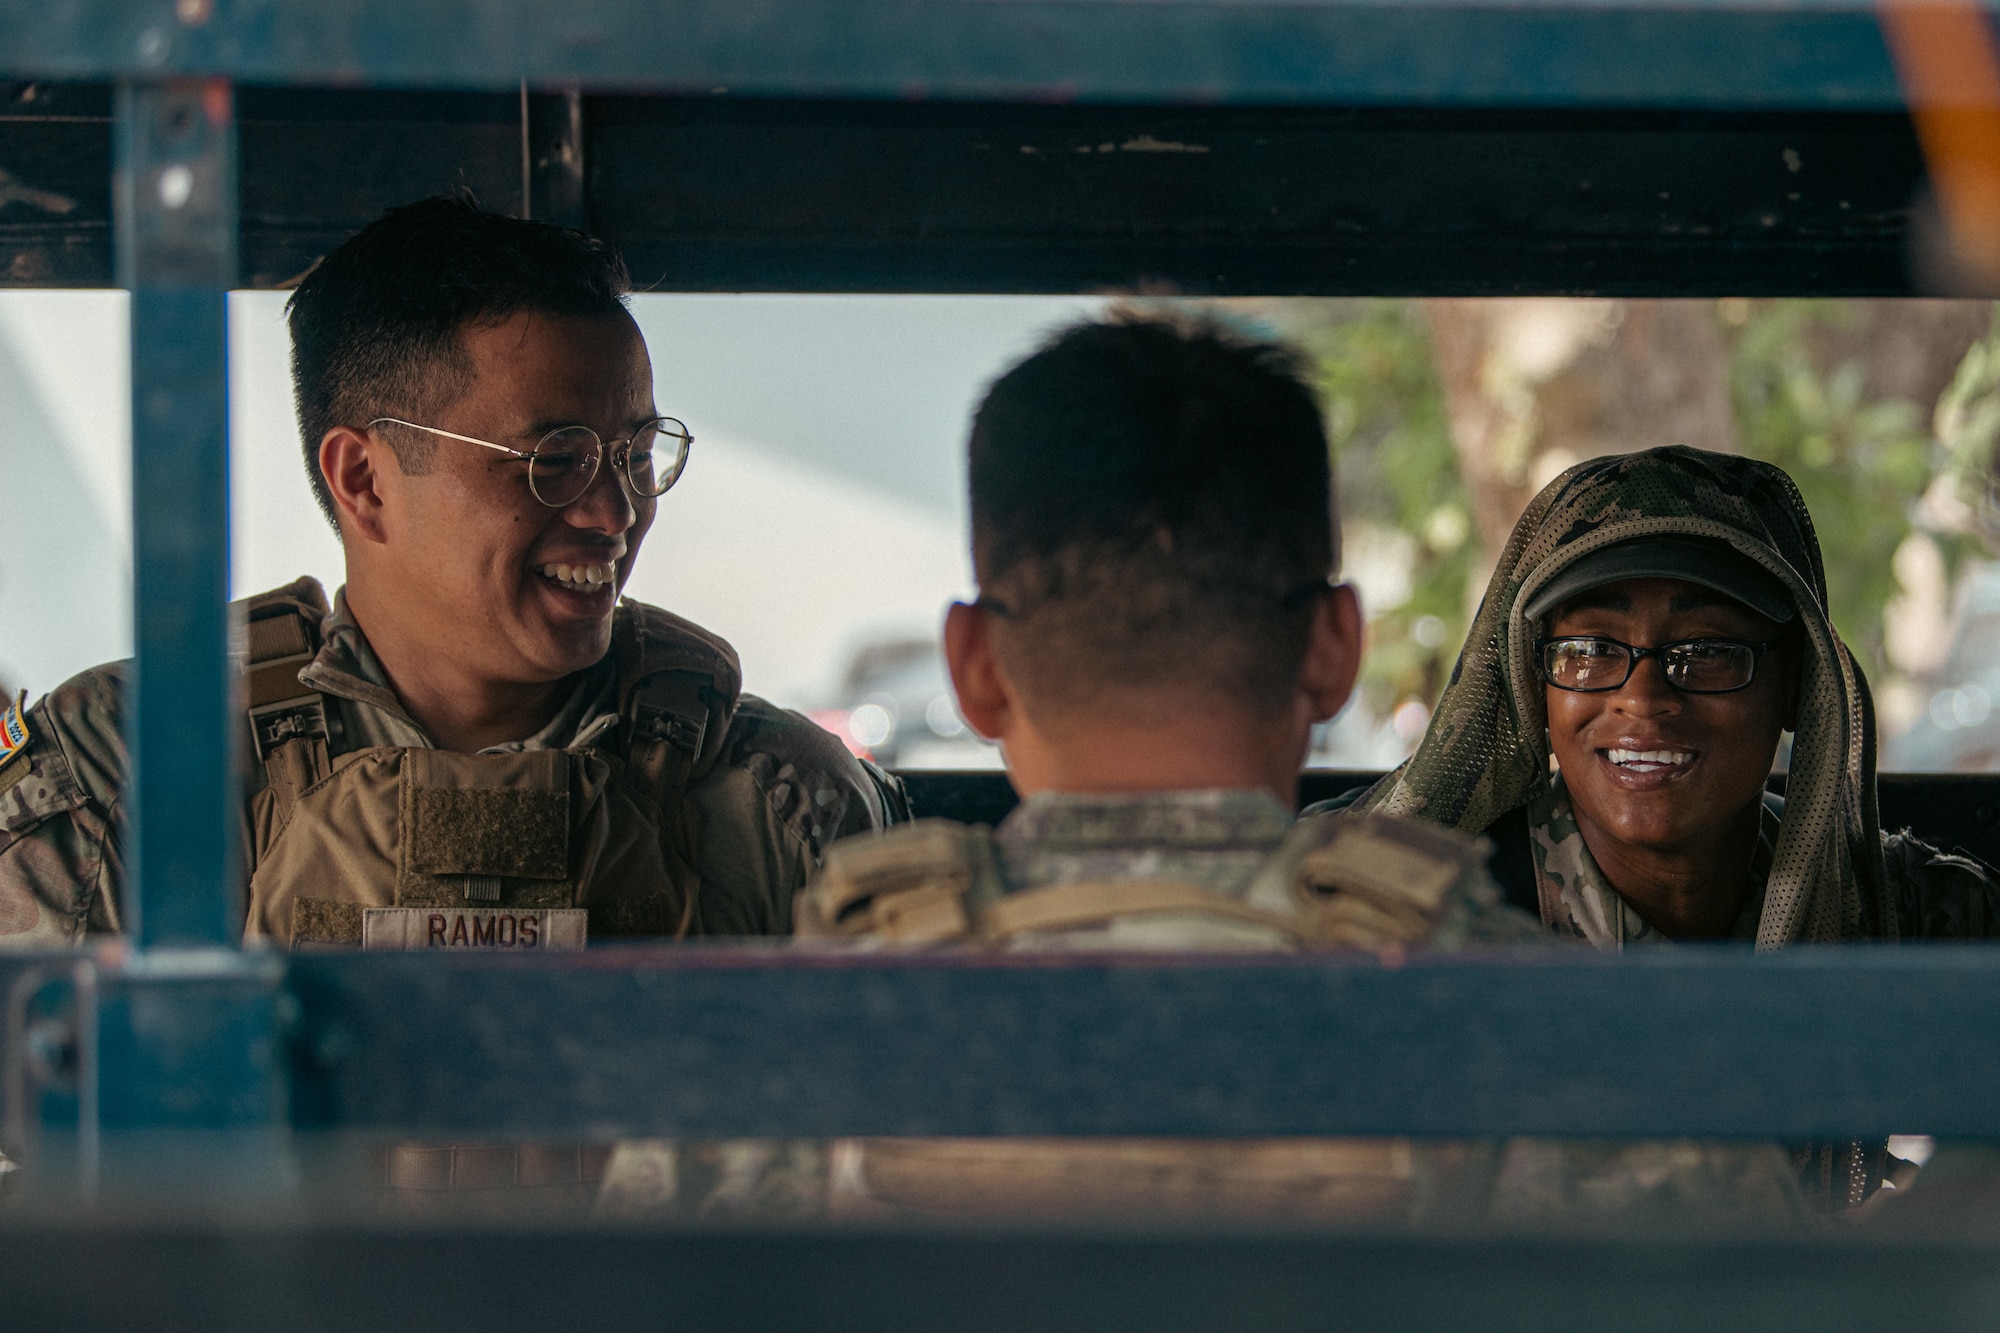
<point x="1440" y="52"/>
<point x="249" y="1278"/>
<point x="727" y="1041"/>
<point x="740" y="194"/>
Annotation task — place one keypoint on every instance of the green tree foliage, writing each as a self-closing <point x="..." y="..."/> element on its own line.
<point x="1968" y="427"/>
<point x="1860" y="462"/>
<point x="1397" y="474"/>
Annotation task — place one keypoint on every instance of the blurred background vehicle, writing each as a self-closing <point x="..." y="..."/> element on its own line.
<point x="1957" y="730"/>
<point x="895" y="705"/>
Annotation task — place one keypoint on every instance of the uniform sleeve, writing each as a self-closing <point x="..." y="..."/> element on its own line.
<point x="62" y="821"/>
<point x="1941" y="895"/>
<point x="818" y="791"/>
<point x="782" y="791"/>
<point x="1477" y="914"/>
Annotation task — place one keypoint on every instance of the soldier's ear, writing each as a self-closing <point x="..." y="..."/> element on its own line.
<point x="984" y="699"/>
<point x="348" y="461"/>
<point x="1333" y="652"/>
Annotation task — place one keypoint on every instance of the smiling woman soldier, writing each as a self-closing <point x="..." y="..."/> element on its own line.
<point x="1655" y="624"/>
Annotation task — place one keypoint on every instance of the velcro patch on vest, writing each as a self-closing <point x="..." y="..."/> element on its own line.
<point x="322" y="921"/>
<point x="14" y="731"/>
<point x="516" y="833"/>
<point x="501" y="929"/>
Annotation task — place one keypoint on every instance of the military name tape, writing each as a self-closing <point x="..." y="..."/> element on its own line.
<point x="506" y="929"/>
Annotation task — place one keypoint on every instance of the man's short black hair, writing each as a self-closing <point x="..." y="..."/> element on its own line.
<point x="375" y="324"/>
<point x="1152" y="504"/>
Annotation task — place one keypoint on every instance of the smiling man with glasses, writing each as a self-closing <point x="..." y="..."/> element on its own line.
<point x="477" y="743"/>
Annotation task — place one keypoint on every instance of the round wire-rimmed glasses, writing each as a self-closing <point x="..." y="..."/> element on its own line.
<point x="564" y="462"/>
<point x="1590" y="664"/>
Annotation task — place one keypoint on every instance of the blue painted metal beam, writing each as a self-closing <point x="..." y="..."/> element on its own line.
<point x="1816" y="54"/>
<point x="726" y="1042"/>
<point x="732" y="1041"/>
<point x="406" y="1276"/>
<point x="175" y="204"/>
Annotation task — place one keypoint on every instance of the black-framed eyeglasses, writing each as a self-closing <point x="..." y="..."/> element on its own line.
<point x="1590" y="664"/>
<point x="564" y="462"/>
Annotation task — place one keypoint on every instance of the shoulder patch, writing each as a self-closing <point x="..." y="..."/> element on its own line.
<point x="35" y="776"/>
<point x="14" y="732"/>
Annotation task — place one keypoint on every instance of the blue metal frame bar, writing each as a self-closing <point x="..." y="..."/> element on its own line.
<point x="725" y="1042"/>
<point x="175" y="201"/>
<point x="733" y="1041"/>
<point x="1825" y="54"/>
<point x="388" y="1279"/>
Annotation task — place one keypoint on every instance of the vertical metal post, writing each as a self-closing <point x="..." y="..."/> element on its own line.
<point x="175" y="198"/>
<point x="552" y="165"/>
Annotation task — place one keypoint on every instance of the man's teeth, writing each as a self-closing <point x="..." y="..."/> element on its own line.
<point x="1650" y="759"/>
<point x="581" y="576"/>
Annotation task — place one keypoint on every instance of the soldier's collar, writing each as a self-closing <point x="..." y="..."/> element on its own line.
<point x="1204" y="817"/>
<point x="346" y="666"/>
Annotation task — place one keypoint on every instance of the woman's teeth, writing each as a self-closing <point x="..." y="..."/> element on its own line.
<point x="580" y="576"/>
<point x="1650" y="761"/>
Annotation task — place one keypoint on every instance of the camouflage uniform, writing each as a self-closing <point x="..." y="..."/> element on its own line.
<point x="1228" y="870"/>
<point x="1576" y="899"/>
<point x="1046" y="879"/>
<point x="1357" y="883"/>
<point x="1825" y="870"/>
<point x="1941" y="895"/>
<point x="774" y="792"/>
<point x="1256" y="878"/>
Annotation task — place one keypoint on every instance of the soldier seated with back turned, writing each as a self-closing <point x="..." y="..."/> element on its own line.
<point x="1153" y="534"/>
<point x="477" y="744"/>
<point x="1157" y="632"/>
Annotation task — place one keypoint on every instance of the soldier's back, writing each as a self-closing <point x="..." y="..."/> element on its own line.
<point x="1196" y="871"/>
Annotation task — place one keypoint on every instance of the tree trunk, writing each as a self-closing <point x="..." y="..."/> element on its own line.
<point x="1533" y="386"/>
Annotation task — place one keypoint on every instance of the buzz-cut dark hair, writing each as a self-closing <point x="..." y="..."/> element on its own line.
<point x="376" y="323"/>
<point x="1153" y="505"/>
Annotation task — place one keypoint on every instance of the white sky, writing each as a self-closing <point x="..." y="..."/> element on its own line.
<point x="823" y="505"/>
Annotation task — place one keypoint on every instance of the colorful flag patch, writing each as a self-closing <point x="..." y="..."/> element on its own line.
<point x="14" y="730"/>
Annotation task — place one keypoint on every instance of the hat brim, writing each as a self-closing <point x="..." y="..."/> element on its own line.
<point x="1710" y="565"/>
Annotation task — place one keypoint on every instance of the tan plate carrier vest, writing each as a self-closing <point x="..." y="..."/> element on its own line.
<point x="1355" y="880"/>
<point x="1343" y="880"/>
<point x="603" y="826"/>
